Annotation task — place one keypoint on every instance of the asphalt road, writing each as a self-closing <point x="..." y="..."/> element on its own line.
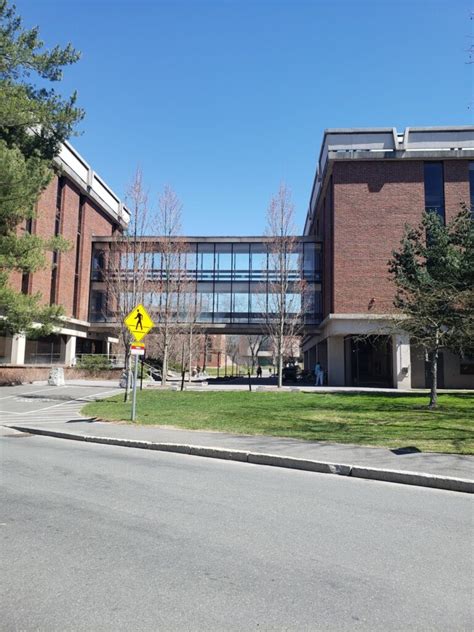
<point x="106" y="538"/>
<point x="41" y="403"/>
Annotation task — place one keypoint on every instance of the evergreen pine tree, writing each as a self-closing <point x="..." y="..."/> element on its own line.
<point x="34" y="121"/>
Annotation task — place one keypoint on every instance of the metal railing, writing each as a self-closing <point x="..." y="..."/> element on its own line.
<point x="44" y="358"/>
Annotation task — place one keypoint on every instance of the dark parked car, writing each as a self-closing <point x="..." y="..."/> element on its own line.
<point x="292" y="373"/>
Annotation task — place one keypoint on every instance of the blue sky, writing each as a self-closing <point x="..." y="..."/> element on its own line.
<point x="223" y="100"/>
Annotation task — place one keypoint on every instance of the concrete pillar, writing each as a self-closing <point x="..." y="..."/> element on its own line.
<point x="401" y="361"/>
<point x="335" y="347"/>
<point x="70" y="351"/>
<point x="18" y="349"/>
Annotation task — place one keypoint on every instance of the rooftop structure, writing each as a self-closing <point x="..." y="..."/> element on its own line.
<point x="70" y="162"/>
<point x="386" y="143"/>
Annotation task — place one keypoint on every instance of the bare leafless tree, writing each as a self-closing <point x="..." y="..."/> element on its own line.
<point x="189" y="317"/>
<point x="232" y="347"/>
<point x="128" y="266"/>
<point x="255" y="343"/>
<point x="286" y="289"/>
<point x="169" y="288"/>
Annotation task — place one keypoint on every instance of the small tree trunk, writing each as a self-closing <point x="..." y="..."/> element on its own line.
<point x="183" y="367"/>
<point x="164" y="369"/>
<point x="190" y="364"/>
<point x="127" y="378"/>
<point x="434" y="379"/>
<point x="280" y="363"/>
<point x="205" y="353"/>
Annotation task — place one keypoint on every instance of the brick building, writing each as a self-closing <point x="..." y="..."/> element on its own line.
<point x="368" y="185"/>
<point x="78" y="205"/>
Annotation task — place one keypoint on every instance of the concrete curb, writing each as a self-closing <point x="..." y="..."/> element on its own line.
<point x="322" y="467"/>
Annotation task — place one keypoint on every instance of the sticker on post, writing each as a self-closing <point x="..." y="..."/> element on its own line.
<point x="137" y="348"/>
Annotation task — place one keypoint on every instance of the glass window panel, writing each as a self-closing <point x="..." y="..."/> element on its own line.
<point x="258" y="307"/>
<point x="191" y="258"/>
<point x="223" y="262"/>
<point x="223" y="302"/>
<point x="126" y="261"/>
<point x="206" y="261"/>
<point x="318" y="261"/>
<point x="241" y="261"/>
<point x="156" y="263"/>
<point x="434" y="187"/>
<point x="293" y="302"/>
<point x="187" y="306"/>
<point x="294" y="264"/>
<point x="204" y="302"/>
<point x="126" y="301"/>
<point x="258" y="261"/>
<point x="240" y="307"/>
<point x="222" y="311"/>
<point x="274" y="303"/>
<point x="309" y="260"/>
<point x="204" y="307"/>
<point x="151" y="299"/>
<point x="98" y="264"/>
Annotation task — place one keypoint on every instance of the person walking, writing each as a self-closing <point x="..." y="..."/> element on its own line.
<point x="259" y="371"/>
<point x="319" y="374"/>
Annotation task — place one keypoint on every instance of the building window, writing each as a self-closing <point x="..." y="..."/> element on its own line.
<point x="97" y="306"/>
<point x="98" y="265"/>
<point x="434" y="187"/>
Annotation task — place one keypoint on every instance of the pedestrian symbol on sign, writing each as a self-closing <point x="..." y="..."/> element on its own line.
<point x="139" y="319"/>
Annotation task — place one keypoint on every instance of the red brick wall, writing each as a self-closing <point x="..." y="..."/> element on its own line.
<point x="44" y="225"/>
<point x="372" y="202"/>
<point x="95" y="224"/>
<point x="67" y="260"/>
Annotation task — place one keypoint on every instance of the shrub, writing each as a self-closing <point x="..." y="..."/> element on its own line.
<point x="94" y="363"/>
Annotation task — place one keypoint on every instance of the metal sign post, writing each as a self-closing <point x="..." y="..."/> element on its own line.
<point x="136" y="349"/>
<point x="139" y="324"/>
<point x="134" y="396"/>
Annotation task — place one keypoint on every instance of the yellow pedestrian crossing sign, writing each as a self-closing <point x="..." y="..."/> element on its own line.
<point x="139" y="322"/>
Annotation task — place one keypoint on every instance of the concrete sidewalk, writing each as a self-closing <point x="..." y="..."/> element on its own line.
<point x="444" y="471"/>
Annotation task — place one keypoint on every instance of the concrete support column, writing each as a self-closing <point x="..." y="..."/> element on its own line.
<point x="18" y="349"/>
<point x="335" y="346"/>
<point x="108" y="346"/>
<point x="70" y="351"/>
<point x="401" y="361"/>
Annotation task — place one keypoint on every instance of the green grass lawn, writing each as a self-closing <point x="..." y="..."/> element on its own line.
<point x="392" y="421"/>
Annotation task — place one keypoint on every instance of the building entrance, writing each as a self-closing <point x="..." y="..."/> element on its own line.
<point x="369" y="361"/>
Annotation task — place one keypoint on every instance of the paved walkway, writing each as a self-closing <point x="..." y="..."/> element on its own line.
<point x="59" y="412"/>
<point x="454" y="465"/>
